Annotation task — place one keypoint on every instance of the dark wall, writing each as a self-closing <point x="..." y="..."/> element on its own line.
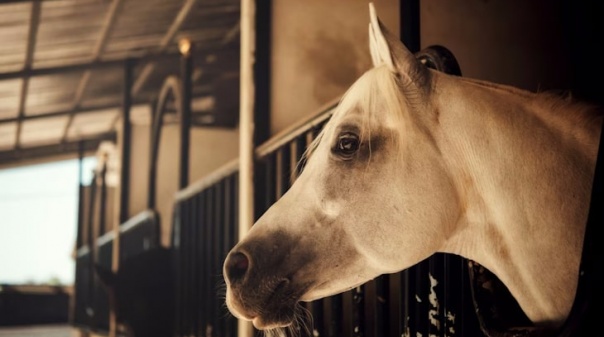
<point x="536" y="45"/>
<point x="36" y="306"/>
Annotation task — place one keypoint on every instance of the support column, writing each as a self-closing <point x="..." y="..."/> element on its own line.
<point x="246" y="132"/>
<point x="124" y="198"/>
<point x="186" y="72"/>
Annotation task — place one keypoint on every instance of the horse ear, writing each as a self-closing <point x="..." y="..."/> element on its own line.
<point x="386" y="49"/>
<point x="106" y="276"/>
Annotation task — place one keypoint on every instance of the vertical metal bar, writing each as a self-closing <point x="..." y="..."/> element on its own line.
<point x="262" y="71"/>
<point x="234" y="191"/>
<point x="79" y="238"/>
<point x="347" y="315"/>
<point x="177" y="267"/>
<point x="103" y="198"/>
<point x="410" y="25"/>
<point x="436" y="295"/>
<point x="208" y="292"/>
<point x="337" y="317"/>
<point x="126" y="142"/>
<point x="395" y="312"/>
<point x="293" y="161"/>
<point x="408" y="300"/>
<point x="186" y="72"/>
<point x="195" y="224"/>
<point x="217" y="257"/>
<point x="124" y="198"/>
<point x="90" y="242"/>
<point x="279" y="173"/>
<point x="270" y="181"/>
<point x="381" y="297"/>
<point x="369" y="309"/>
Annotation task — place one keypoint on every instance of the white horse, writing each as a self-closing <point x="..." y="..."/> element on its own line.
<point x="414" y="162"/>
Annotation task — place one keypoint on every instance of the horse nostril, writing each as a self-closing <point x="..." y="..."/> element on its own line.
<point x="236" y="266"/>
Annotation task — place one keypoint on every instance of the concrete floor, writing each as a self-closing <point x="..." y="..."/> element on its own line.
<point x="39" y="331"/>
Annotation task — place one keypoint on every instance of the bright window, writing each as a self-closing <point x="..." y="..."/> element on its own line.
<point x="38" y="222"/>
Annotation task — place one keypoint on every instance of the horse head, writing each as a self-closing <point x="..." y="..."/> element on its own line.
<point x="414" y="162"/>
<point x="366" y="202"/>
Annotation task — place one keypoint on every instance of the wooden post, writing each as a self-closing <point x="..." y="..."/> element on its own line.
<point x="246" y="132"/>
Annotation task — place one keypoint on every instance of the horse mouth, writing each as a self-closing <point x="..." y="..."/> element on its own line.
<point x="267" y="311"/>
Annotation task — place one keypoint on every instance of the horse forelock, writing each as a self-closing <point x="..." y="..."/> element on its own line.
<point x="376" y="94"/>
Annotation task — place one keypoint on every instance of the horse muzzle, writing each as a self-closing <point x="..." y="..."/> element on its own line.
<point x="261" y="290"/>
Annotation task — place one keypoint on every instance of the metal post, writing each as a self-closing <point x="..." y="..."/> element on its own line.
<point x="246" y="132"/>
<point x="126" y="142"/>
<point x="79" y="239"/>
<point x="186" y="72"/>
<point x="103" y="198"/>
<point x="409" y="24"/>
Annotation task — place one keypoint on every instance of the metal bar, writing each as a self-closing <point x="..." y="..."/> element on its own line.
<point x="99" y="47"/>
<point x="196" y="222"/>
<point x="409" y="24"/>
<point x="90" y="240"/>
<point x="397" y="316"/>
<point x="34" y="23"/>
<point x="24" y="154"/>
<point x="186" y="72"/>
<point x="262" y="73"/>
<point x="103" y="198"/>
<point x="126" y="144"/>
<point x="81" y="190"/>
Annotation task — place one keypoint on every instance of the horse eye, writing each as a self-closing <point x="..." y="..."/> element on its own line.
<point x="348" y="144"/>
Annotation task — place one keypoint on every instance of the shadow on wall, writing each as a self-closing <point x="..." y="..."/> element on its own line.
<point x="334" y="62"/>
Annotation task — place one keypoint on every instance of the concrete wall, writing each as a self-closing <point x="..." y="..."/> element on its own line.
<point x="320" y="46"/>
<point x="520" y="43"/>
<point x="210" y="149"/>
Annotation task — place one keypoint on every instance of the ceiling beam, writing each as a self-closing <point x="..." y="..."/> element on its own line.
<point x="59" y="113"/>
<point x="32" y="34"/>
<point x="99" y="48"/>
<point x="37" y="152"/>
<point x="100" y="64"/>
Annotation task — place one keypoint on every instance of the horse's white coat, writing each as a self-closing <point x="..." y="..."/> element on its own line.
<point x="446" y="164"/>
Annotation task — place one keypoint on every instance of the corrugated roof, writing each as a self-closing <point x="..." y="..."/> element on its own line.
<point x="62" y="64"/>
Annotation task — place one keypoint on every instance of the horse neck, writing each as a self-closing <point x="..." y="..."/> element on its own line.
<point x="524" y="178"/>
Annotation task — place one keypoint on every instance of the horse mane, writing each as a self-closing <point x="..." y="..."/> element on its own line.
<point x="556" y="102"/>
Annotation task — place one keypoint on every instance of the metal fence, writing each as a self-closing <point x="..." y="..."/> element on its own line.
<point x="90" y="309"/>
<point x="432" y="298"/>
<point x="204" y="230"/>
